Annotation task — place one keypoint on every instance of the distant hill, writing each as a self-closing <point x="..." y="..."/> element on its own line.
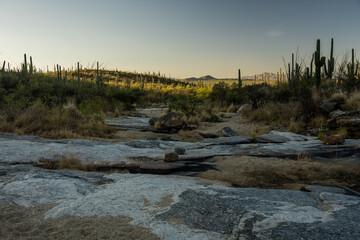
<point x="273" y="76"/>
<point x="207" y="77"/>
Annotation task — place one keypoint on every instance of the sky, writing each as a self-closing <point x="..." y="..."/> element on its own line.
<point x="180" y="38"/>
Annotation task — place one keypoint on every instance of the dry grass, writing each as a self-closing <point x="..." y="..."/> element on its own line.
<point x="70" y="163"/>
<point x="338" y="97"/>
<point x="319" y="122"/>
<point x="296" y="126"/>
<point x="281" y="173"/>
<point x="276" y="113"/>
<point x="58" y="122"/>
<point x="353" y="102"/>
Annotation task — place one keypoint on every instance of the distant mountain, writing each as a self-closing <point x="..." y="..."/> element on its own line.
<point x="266" y="75"/>
<point x="207" y="77"/>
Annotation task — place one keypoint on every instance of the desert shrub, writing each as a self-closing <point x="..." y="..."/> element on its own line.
<point x="92" y="106"/>
<point x="219" y="92"/>
<point x="277" y="113"/>
<point x="188" y="105"/>
<point x="203" y="92"/>
<point x="209" y="113"/>
<point x="258" y="95"/>
<point x="9" y="81"/>
<point x="234" y="94"/>
<point x="310" y="102"/>
<point x="283" y="94"/>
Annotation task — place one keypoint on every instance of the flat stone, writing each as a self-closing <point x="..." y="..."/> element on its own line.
<point x="292" y="136"/>
<point x="131" y="123"/>
<point x="330" y="189"/>
<point x="228" y="140"/>
<point x="272" y="138"/>
<point x="174" y="207"/>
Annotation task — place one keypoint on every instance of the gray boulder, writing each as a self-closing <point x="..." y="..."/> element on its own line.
<point x="227" y="132"/>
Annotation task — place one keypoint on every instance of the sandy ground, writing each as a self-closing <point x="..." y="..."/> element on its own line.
<point x="257" y="172"/>
<point x="28" y="223"/>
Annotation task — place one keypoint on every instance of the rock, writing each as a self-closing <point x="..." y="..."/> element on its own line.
<point x="348" y="120"/>
<point x="244" y="108"/>
<point x="174" y="207"/>
<point x="207" y="135"/>
<point x="271" y="138"/>
<point x="229" y="140"/>
<point x="332" y="140"/>
<point x="329" y="107"/>
<point x="227" y="132"/>
<point x="26" y="149"/>
<point x="173" y="125"/>
<point x="153" y="120"/>
<point x="169" y="123"/>
<point x="130" y="123"/>
<point x="337" y="113"/>
<point x="171" y="157"/>
<point x="180" y="150"/>
<point x="170" y="116"/>
<point x="330" y="189"/>
<point x="292" y="136"/>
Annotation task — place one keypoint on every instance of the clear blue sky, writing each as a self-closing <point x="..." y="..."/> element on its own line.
<point x="179" y="37"/>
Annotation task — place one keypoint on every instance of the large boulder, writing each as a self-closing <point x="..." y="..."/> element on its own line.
<point x="244" y="108"/>
<point x="170" y="123"/>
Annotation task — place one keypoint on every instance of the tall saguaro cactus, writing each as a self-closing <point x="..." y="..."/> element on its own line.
<point x="25" y="64"/>
<point x="311" y="65"/>
<point x="319" y="63"/>
<point x="240" y="82"/>
<point x="31" y="67"/>
<point x="331" y="62"/>
<point x="78" y="69"/>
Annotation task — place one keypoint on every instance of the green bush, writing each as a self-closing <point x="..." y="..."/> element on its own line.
<point x="188" y="105"/>
<point x="219" y="91"/>
<point x="258" y="95"/>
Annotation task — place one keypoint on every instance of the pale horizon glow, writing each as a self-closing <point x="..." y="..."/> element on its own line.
<point x="187" y="38"/>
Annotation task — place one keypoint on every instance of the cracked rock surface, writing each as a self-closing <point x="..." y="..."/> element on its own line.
<point x="174" y="207"/>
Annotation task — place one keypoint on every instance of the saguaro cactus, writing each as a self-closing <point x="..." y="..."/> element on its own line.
<point x="319" y="63"/>
<point x="240" y="82"/>
<point x="331" y="62"/>
<point x="31" y="67"/>
<point x="78" y="68"/>
<point x="352" y="69"/>
<point x="292" y="69"/>
<point x="289" y="74"/>
<point x="25" y="64"/>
